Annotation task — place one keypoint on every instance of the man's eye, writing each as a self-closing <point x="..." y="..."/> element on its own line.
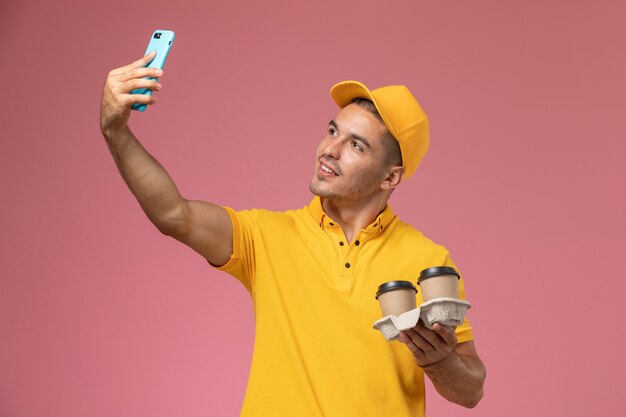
<point x="332" y="131"/>
<point x="357" y="146"/>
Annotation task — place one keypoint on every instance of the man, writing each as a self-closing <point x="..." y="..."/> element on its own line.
<point x="313" y="272"/>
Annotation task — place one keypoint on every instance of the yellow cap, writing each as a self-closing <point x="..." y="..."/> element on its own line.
<point x="401" y="113"/>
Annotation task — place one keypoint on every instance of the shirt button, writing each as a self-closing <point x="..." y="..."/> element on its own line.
<point x="357" y="243"/>
<point x="347" y="265"/>
<point x="340" y="243"/>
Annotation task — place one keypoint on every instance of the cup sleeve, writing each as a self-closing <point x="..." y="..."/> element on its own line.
<point x="464" y="330"/>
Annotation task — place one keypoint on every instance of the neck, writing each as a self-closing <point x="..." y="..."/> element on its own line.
<point x="352" y="216"/>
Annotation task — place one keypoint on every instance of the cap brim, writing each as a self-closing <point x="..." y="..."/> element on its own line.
<point x="344" y="92"/>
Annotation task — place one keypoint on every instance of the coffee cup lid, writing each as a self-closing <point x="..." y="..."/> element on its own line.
<point x="436" y="271"/>
<point x="394" y="285"/>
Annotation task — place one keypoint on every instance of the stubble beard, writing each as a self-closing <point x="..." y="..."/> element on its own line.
<point x="355" y="191"/>
<point x="316" y="186"/>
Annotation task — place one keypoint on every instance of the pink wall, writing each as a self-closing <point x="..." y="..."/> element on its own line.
<point x="525" y="183"/>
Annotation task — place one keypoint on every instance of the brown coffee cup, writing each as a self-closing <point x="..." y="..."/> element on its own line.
<point x="396" y="297"/>
<point x="439" y="282"/>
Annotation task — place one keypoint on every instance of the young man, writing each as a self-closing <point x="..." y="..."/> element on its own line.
<point x="313" y="272"/>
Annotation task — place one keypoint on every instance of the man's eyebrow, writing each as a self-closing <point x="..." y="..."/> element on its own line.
<point x="362" y="139"/>
<point x="354" y="135"/>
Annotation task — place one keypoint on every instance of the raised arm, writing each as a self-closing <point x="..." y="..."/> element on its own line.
<point x="204" y="227"/>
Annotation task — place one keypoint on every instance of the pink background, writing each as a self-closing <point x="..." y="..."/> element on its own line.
<point x="100" y="315"/>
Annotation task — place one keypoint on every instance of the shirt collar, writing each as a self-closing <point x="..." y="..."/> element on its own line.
<point x="379" y="224"/>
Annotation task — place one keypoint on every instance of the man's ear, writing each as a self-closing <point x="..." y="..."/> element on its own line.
<point x="394" y="176"/>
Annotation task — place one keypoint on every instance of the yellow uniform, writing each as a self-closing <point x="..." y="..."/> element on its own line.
<point x="315" y="352"/>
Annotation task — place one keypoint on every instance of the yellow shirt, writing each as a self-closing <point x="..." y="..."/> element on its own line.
<point x="315" y="351"/>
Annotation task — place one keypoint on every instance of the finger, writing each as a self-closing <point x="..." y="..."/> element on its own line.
<point x="410" y="344"/>
<point x="419" y="356"/>
<point x="141" y="62"/>
<point x="429" y="335"/>
<point x="420" y="341"/>
<point x="137" y="83"/>
<point x="127" y="100"/>
<point x="138" y="68"/>
<point x="131" y="73"/>
<point x="141" y="99"/>
<point x="447" y="333"/>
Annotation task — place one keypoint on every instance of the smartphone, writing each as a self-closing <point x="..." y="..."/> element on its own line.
<point x="161" y="42"/>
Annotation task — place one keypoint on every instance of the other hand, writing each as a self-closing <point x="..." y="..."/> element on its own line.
<point x="429" y="346"/>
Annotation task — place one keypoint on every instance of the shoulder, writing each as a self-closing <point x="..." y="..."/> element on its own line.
<point x="405" y="234"/>
<point x="263" y="217"/>
<point x="401" y="229"/>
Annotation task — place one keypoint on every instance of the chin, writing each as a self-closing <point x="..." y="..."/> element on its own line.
<point x="326" y="193"/>
<point x="317" y="188"/>
<point x="313" y="187"/>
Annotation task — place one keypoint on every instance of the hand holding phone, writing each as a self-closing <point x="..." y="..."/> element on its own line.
<point x="161" y="42"/>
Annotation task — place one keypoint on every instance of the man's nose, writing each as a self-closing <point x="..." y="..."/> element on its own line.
<point x="332" y="148"/>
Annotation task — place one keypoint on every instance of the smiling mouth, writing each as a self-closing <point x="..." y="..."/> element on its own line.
<point x="326" y="169"/>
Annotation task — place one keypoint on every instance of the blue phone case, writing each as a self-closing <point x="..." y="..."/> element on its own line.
<point x="161" y="42"/>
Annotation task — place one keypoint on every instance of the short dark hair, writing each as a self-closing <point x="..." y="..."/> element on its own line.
<point x="392" y="147"/>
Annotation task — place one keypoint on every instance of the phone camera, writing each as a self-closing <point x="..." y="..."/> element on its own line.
<point x="157" y="35"/>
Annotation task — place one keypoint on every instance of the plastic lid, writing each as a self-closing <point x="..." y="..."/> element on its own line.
<point x="436" y="271"/>
<point x="394" y="285"/>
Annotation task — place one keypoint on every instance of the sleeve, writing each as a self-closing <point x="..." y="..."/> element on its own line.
<point x="242" y="262"/>
<point x="463" y="331"/>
